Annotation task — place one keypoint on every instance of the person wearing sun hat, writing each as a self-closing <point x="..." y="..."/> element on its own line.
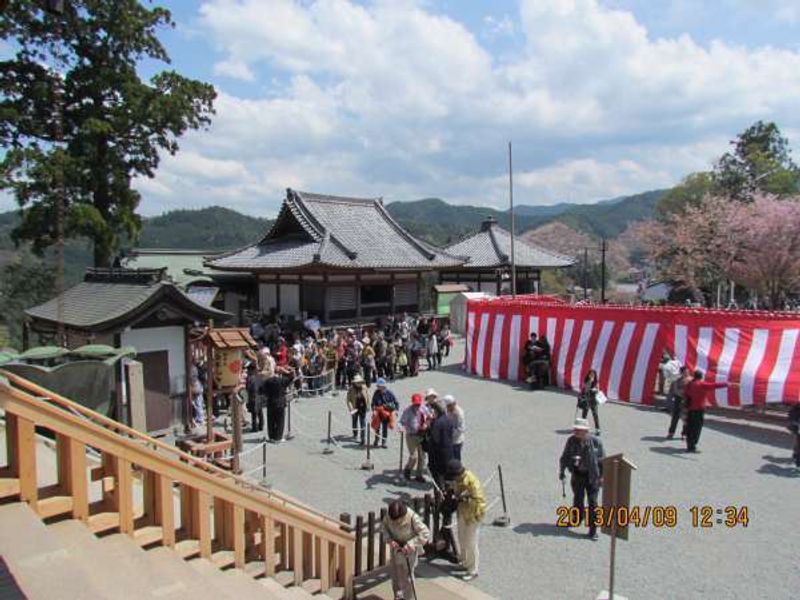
<point x="414" y="421"/>
<point x="583" y="458"/>
<point x="357" y="404"/>
<point x="468" y="492"/>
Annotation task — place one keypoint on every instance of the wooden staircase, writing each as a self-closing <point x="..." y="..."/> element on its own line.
<point x="145" y="519"/>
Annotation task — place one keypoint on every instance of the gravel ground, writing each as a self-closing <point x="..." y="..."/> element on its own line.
<point x="740" y="464"/>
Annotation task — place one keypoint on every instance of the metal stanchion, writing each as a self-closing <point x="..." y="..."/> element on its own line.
<point x="402" y="437"/>
<point x="367" y="464"/>
<point x="504" y="520"/>
<point x="264" y="458"/>
<point x="289" y="435"/>
<point x="328" y="449"/>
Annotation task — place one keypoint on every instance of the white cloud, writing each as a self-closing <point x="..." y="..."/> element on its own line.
<point x="390" y="98"/>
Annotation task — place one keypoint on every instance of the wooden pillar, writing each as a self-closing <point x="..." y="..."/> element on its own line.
<point x="297" y="555"/>
<point x="358" y="296"/>
<point x="268" y="545"/>
<point x="123" y="494"/>
<point x="238" y="537"/>
<point x="187" y="400"/>
<point x="72" y="474"/>
<point x="393" y="307"/>
<point x="326" y="297"/>
<point x="325" y="570"/>
<point x="202" y="519"/>
<point x="209" y="385"/>
<point x="499" y="279"/>
<point x="278" y="294"/>
<point x="419" y="291"/>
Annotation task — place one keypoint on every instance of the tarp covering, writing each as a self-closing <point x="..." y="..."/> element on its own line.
<point x="458" y="310"/>
<point x="758" y="350"/>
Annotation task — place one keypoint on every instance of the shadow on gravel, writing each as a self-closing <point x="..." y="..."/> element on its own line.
<point x="654" y="438"/>
<point x="546" y="530"/>
<point x="773" y="466"/>
<point x="670" y="451"/>
<point x="752" y="433"/>
<point x="779" y="471"/>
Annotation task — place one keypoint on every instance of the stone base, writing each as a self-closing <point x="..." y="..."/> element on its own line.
<point x="604" y="596"/>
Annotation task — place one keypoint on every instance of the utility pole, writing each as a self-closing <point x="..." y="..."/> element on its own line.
<point x="511" y="200"/>
<point x="585" y="273"/>
<point x="603" y="271"/>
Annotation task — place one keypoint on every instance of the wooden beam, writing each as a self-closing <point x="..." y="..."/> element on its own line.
<point x="297" y="555"/>
<point x="325" y="565"/>
<point x="76" y="483"/>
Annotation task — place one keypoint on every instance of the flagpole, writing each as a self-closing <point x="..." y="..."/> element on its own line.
<point x="511" y="200"/>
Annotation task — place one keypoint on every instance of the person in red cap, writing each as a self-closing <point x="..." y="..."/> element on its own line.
<point x="414" y="421"/>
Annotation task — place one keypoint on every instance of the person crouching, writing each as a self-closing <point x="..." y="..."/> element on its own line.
<point x="407" y="534"/>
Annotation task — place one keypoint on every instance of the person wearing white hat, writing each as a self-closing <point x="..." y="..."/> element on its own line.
<point x="456" y="415"/>
<point x="357" y="403"/>
<point x="583" y="458"/>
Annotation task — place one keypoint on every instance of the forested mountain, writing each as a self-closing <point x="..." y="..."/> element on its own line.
<point x="432" y="219"/>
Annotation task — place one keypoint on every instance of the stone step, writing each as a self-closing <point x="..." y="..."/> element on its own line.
<point x="236" y="584"/>
<point x="39" y="562"/>
<point x="104" y="558"/>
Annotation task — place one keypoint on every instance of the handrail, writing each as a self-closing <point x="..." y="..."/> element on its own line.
<point x="30" y="391"/>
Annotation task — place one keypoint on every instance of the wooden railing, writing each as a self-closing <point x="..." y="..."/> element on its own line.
<point x="248" y="523"/>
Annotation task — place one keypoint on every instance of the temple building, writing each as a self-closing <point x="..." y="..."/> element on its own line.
<point x="488" y="265"/>
<point x="337" y="259"/>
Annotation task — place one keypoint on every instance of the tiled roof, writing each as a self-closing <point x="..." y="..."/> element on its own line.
<point x="334" y="231"/>
<point x="491" y="248"/>
<point x="102" y="305"/>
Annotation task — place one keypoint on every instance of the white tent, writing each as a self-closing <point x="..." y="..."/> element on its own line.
<point x="458" y="310"/>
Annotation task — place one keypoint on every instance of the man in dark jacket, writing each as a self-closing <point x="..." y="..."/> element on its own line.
<point x="583" y="458"/>
<point x="440" y="439"/>
<point x="274" y="389"/>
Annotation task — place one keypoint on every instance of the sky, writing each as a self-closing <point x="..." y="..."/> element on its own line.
<point x="407" y="99"/>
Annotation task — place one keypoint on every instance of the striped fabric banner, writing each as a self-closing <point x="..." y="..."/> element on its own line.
<point x="624" y="345"/>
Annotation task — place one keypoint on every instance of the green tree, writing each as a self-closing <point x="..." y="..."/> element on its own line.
<point x="689" y="192"/>
<point x="760" y="161"/>
<point x="25" y="282"/>
<point x="78" y="123"/>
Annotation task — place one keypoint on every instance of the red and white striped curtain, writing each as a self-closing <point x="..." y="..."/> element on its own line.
<point x="624" y="344"/>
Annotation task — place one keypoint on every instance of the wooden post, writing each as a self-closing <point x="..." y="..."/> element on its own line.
<point x="370" y="541"/>
<point x="24" y="464"/>
<point x="238" y="537"/>
<point x="72" y="478"/>
<point x="268" y="544"/>
<point x="297" y="555"/>
<point x="359" y="545"/>
<point x="202" y="522"/>
<point x="358" y="296"/>
<point x="209" y="385"/>
<point x="382" y="540"/>
<point x="615" y="479"/>
<point x="325" y="565"/>
<point x="237" y="431"/>
<point x="187" y="401"/>
<point x="123" y="494"/>
<point x="165" y="509"/>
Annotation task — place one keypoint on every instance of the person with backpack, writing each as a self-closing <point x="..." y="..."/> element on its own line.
<point x="583" y="457"/>
<point x="407" y="535"/>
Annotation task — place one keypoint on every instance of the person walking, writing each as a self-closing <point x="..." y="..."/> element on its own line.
<point x="794" y="427"/>
<point x="456" y="414"/>
<point x="414" y="421"/>
<point x="583" y="457"/>
<point x="357" y="404"/>
<point x="698" y="394"/>
<point x="588" y="398"/>
<point x="407" y="535"/>
<point x="432" y="351"/>
<point x="677" y="395"/>
<point x="384" y="412"/>
<point x="368" y="362"/>
<point x="471" y="511"/>
<point x="439" y="443"/>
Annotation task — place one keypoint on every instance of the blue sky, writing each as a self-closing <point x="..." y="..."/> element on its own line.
<point x="408" y="99"/>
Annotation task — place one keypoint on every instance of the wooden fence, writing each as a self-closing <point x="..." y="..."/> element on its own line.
<point x="222" y="517"/>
